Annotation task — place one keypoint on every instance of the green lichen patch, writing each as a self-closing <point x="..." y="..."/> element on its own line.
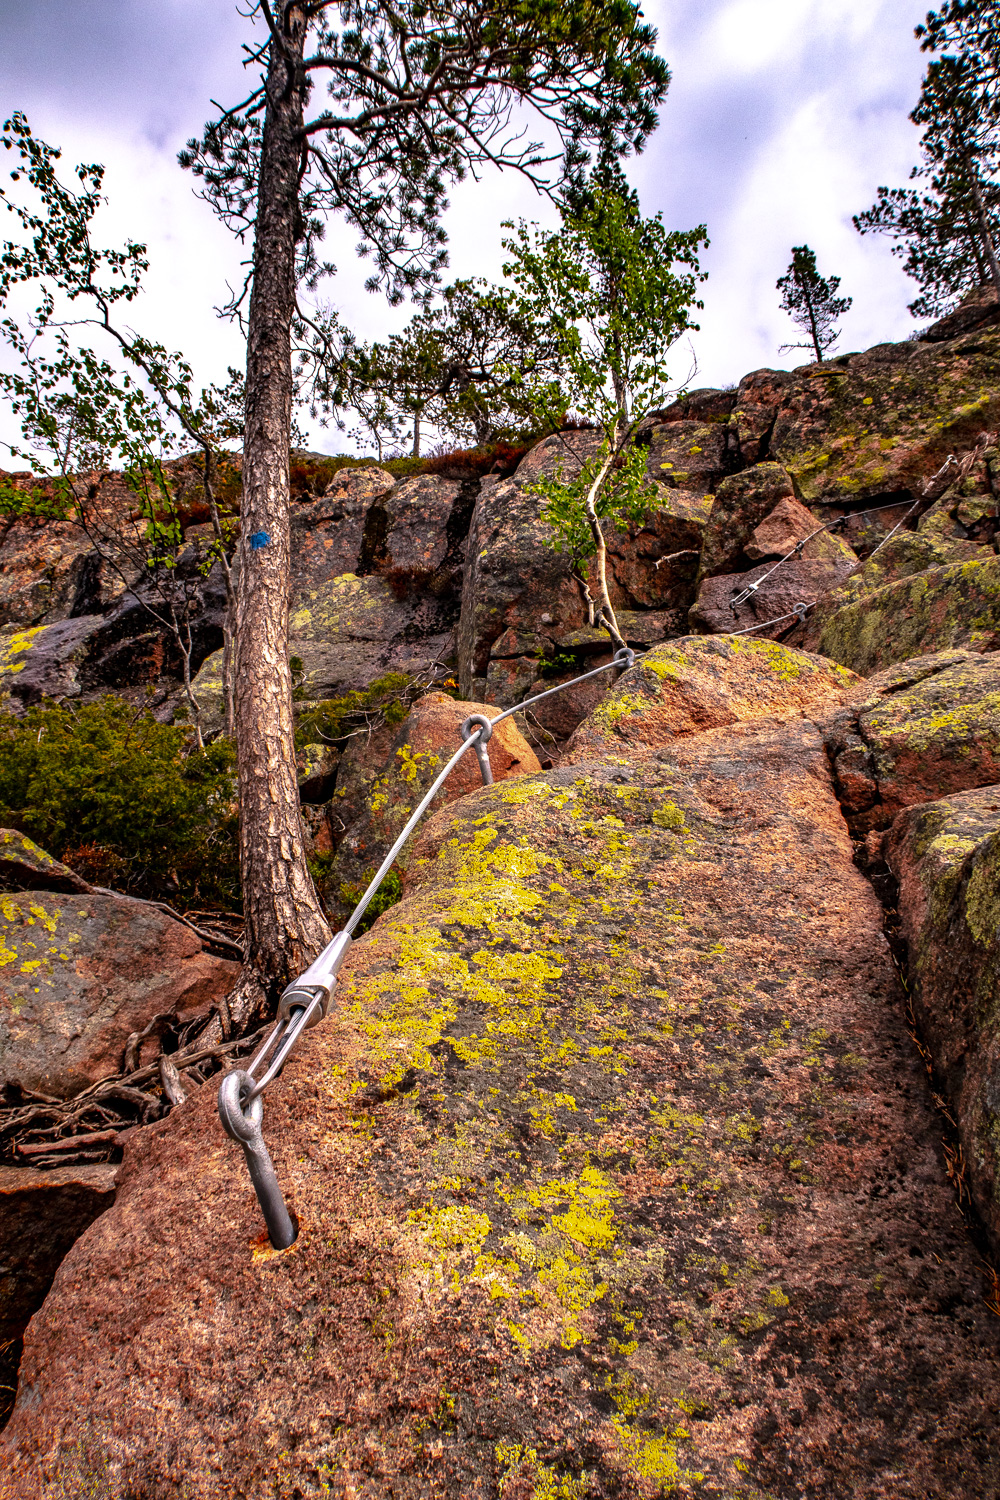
<point x="935" y="610"/>
<point x="891" y="419"/>
<point x="14" y="648"/>
<point x="347" y="608"/>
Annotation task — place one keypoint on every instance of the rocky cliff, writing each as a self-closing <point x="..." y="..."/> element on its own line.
<point x="652" y="1145"/>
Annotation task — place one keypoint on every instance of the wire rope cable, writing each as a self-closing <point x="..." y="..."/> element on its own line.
<point x="306" y="1000"/>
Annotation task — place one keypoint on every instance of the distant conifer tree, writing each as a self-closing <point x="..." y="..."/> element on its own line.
<point x="949" y="233"/>
<point x="811" y="301"/>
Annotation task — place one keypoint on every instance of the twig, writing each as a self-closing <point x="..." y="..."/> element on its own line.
<point x="171" y="1081"/>
<point x="70" y="1143"/>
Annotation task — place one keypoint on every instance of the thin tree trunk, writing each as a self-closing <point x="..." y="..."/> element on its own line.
<point x="984" y="228"/>
<point x="813" y="330"/>
<point x="600" y="551"/>
<point x="416" y="436"/>
<point x="284" y="923"/>
<point x="227" y="572"/>
<point x="228" y="696"/>
<point x="193" y="703"/>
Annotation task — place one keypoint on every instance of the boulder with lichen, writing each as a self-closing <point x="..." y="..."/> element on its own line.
<point x="614" y="1168"/>
<point x="944" y="856"/>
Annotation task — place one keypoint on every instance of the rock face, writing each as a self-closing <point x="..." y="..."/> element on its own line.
<point x="615" y="1173"/>
<point x="705" y="683"/>
<point x="394" y="769"/>
<point x="776" y="595"/>
<point x="80" y="972"/>
<point x="616" y="1170"/>
<point x="41" y="1215"/>
<point x="945" y="858"/>
<point x="928" y="611"/>
<point x="877" y="423"/>
<point x="916" y="731"/>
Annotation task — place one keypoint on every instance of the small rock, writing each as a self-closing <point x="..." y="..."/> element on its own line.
<point x="741" y="503"/>
<point x="26" y="867"/>
<point x="80" y="973"/>
<point x="789" y="524"/>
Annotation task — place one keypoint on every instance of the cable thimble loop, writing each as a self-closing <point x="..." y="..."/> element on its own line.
<point x="245" y="1127"/>
<point x="485" y="727"/>
<point x="624" y="657"/>
<point x="800" y="610"/>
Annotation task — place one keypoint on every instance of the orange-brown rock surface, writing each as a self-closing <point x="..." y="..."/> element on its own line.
<point x="705" y="682"/>
<point x="616" y="1175"/>
<point x="387" y="774"/>
<point x="944" y="856"/>
<point x="79" y="972"/>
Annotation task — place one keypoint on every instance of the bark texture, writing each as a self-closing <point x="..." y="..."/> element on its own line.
<point x="285" y="925"/>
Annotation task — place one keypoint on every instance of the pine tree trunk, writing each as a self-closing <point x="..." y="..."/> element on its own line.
<point x="416" y="435"/>
<point x="284" y="923"/>
<point x="813" y="329"/>
<point x="984" y="228"/>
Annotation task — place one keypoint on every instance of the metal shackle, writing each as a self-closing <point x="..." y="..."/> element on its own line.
<point x="240" y="1125"/>
<point x="484" y="725"/>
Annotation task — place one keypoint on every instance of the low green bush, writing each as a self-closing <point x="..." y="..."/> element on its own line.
<point x="384" y="701"/>
<point x="122" y="799"/>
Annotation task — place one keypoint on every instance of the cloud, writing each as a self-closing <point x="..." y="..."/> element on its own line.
<point x="782" y="119"/>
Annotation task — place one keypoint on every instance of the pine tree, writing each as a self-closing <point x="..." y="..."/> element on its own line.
<point x="970" y="29"/>
<point x="447" y="369"/>
<point x="812" y="302"/>
<point x="369" y="110"/>
<point x="948" y="231"/>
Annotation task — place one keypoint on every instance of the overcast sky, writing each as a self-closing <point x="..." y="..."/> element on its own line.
<point x="782" y="119"/>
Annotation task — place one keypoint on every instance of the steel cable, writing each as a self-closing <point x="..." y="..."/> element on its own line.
<point x="306" y="1001"/>
<point x="796" y="551"/>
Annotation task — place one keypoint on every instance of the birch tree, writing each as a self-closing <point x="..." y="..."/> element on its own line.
<point x="615" y="292"/>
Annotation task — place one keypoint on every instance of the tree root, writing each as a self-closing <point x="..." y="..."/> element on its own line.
<point x="91" y="1126"/>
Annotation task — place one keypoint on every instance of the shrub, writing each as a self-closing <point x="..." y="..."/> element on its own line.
<point x="122" y="798"/>
<point x="388" y="893"/>
<point x="48" y="500"/>
<point x="384" y="701"/>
